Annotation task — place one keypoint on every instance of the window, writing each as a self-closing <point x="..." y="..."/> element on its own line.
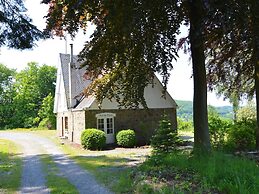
<point x="109" y="122"/>
<point x="100" y="124"/>
<point x="66" y="122"/>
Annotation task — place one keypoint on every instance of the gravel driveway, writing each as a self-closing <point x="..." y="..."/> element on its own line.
<point x="33" y="177"/>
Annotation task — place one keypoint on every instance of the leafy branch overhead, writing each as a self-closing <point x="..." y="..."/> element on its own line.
<point x="131" y="41"/>
<point x="134" y="39"/>
<point x="230" y="53"/>
<point x="17" y="30"/>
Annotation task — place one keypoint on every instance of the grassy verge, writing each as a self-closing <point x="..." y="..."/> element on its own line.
<point x="183" y="173"/>
<point x="111" y="170"/>
<point x="178" y="172"/>
<point x="10" y="167"/>
<point x="54" y="180"/>
<point x="57" y="184"/>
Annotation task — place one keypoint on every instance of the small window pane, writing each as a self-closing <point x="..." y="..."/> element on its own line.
<point x="100" y="124"/>
<point x="109" y="125"/>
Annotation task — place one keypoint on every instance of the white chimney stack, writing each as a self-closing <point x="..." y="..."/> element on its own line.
<point x="71" y="55"/>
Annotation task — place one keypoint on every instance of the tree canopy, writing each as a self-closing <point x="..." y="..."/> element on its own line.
<point x="6" y="95"/>
<point x="233" y="54"/>
<point x="32" y="85"/>
<point x="132" y="40"/>
<point x="26" y="97"/>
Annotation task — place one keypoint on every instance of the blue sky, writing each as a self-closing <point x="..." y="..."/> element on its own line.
<point x="180" y="85"/>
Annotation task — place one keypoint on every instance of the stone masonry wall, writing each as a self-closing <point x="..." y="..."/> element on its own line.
<point x="79" y="125"/>
<point x="144" y="122"/>
<point x="75" y="125"/>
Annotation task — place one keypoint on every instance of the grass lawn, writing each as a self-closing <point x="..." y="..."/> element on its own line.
<point x="54" y="181"/>
<point x="183" y="173"/>
<point x="179" y="172"/>
<point x="111" y="170"/>
<point x="10" y="167"/>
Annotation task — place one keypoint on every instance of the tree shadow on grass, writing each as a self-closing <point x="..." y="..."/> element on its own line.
<point x="10" y="172"/>
<point x="113" y="172"/>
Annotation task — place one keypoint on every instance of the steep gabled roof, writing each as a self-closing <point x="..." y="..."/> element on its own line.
<point x="152" y="93"/>
<point x="78" y="81"/>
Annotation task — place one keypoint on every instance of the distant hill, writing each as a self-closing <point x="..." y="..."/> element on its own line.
<point x="185" y="110"/>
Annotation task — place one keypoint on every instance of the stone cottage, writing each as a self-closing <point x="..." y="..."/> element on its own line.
<point x="75" y="112"/>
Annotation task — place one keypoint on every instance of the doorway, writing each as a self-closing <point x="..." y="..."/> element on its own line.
<point x="105" y="122"/>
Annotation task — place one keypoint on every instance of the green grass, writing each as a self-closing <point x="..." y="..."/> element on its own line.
<point x="57" y="184"/>
<point x="54" y="181"/>
<point x="182" y="172"/>
<point x="10" y="167"/>
<point x="109" y="170"/>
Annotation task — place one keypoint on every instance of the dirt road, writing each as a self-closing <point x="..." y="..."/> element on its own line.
<point x="33" y="176"/>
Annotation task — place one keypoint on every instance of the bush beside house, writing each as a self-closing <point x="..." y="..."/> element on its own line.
<point x="93" y="139"/>
<point x="126" y="138"/>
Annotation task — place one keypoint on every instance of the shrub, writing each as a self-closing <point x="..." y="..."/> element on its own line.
<point x="242" y="135"/>
<point x="184" y="125"/>
<point x="93" y="139"/>
<point x="247" y="113"/>
<point x="165" y="139"/>
<point x="126" y="138"/>
<point x="47" y="123"/>
<point x="218" y="131"/>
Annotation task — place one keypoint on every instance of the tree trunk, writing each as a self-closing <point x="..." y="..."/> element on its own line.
<point x="200" y="112"/>
<point x="255" y="27"/>
<point x="234" y="99"/>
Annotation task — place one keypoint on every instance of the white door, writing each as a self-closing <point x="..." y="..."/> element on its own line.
<point x="105" y="122"/>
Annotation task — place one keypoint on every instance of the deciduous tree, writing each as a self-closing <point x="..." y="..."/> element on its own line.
<point x="233" y="42"/>
<point x="6" y="95"/>
<point x="132" y="40"/>
<point x="32" y="85"/>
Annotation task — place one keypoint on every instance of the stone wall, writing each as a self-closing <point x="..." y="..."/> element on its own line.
<point x="79" y="125"/>
<point x="75" y="125"/>
<point x="62" y="129"/>
<point x="144" y="122"/>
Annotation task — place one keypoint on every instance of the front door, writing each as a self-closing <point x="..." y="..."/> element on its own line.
<point x="105" y="122"/>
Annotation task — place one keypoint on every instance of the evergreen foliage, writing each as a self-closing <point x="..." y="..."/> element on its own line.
<point x="17" y="30"/>
<point x="165" y="138"/>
